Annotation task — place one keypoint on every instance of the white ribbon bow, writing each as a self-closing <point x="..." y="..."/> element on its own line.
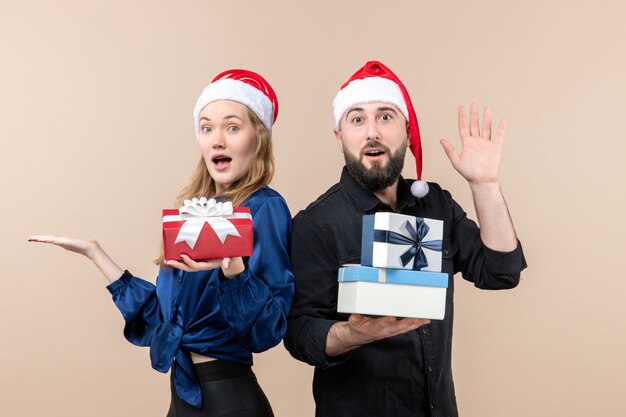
<point x="198" y="211"/>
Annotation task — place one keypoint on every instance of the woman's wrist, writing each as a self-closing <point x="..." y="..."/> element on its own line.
<point x="105" y="264"/>
<point x="235" y="267"/>
<point x="94" y="250"/>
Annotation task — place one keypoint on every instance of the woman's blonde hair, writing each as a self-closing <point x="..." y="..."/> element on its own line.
<point x="260" y="174"/>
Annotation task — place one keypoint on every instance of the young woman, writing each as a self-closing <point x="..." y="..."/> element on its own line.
<point x="205" y="318"/>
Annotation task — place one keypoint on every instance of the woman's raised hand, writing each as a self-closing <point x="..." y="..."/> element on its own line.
<point x="87" y="247"/>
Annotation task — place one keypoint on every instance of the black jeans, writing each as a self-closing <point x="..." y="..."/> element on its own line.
<point x="228" y="390"/>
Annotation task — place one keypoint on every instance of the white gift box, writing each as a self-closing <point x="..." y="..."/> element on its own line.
<point x="392" y="240"/>
<point x="392" y="292"/>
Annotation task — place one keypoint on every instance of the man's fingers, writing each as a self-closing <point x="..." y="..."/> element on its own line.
<point x="474" y="128"/>
<point x="416" y="321"/>
<point x="356" y="321"/>
<point x="421" y="322"/>
<point x="355" y="318"/>
<point x="395" y="327"/>
<point x="453" y="156"/>
<point x="413" y="323"/>
<point x="463" y="130"/>
<point x="383" y="327"/>
<point x="486" y="133"/>
<point x="386" y="321"/>
<point x="499" y="138"/>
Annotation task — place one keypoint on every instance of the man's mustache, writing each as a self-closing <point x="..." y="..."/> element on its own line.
<point x="373" y="143"/>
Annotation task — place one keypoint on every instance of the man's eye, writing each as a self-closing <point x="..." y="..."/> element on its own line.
<point x="386" y="117"/>
<point x="357" y="119"/>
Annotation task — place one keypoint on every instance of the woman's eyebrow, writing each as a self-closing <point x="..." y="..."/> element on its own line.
<point x="230" y="116"/>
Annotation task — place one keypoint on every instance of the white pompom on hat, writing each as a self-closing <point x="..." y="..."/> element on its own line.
<point x="245" y="87"/>
<point x="374" y="83"/>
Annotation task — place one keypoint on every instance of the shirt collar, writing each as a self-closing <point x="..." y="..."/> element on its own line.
<point x="367" y="200"/>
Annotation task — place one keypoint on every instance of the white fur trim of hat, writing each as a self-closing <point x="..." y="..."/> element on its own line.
<point x="368" y="90"/>
<point x="239" y="91"/>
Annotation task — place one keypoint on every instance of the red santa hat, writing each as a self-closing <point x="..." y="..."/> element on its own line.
<point x="376" y="83"/>
<point x="242" y="86"/>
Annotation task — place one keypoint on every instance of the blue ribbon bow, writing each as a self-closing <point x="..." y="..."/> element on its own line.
<point x="413" y="238"/>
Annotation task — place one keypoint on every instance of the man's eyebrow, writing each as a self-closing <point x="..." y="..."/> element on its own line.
<point x="387" y="108"/>
<point x="354" y="109"/>
<point x="383" y="108"/>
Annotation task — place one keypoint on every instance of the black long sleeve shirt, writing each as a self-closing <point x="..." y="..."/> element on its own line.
<point x="404" y="375"/>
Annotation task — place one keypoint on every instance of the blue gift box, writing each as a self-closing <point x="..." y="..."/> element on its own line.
<point x="392" y="240"/>
<point x="393" y="276"/>
<point x="392" y="292"/>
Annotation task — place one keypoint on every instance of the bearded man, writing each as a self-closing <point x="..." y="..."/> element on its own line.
<point x="384" y="366"/>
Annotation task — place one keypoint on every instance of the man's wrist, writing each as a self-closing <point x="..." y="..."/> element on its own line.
<point x="485" y="187"/>
<point x="337" y="339"/>
<point x="342" y="338"/>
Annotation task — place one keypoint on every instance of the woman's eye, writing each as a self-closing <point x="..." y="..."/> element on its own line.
<point x="205" y="129"/>
<point x="233" y="128"/>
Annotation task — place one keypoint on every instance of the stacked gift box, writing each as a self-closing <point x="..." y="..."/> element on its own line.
<point x="400" y="272"/>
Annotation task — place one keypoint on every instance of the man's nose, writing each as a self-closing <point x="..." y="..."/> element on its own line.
<point x="373" y="132"/>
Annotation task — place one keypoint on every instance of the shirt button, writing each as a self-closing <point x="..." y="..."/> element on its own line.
<point x="446" y="251"/>
<point x="220" y="290"/>
<point x="424" y="331"/>
<point x="432" y="407"/>
<point x="430" y="369"/>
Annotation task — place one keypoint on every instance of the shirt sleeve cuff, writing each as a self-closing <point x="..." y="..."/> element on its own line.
<point x="120" y="283"/>
<point x="316" y="344"/>
<point x="237" y="281"/>
<point x="505" y="262"/>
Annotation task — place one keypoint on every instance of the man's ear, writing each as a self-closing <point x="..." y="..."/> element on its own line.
<point x="408" y="134"/>
<point x="338" y="139"/>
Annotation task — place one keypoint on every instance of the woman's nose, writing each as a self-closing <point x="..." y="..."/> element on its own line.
<point x="218" y="140"/>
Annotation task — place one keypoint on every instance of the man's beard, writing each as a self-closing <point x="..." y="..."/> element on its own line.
<point x="377" y="178"/>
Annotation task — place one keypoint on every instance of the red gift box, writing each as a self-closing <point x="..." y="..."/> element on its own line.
<point x="202" y="236"/>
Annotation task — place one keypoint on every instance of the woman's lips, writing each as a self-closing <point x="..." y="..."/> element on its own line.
<point x="221" y="162"/>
